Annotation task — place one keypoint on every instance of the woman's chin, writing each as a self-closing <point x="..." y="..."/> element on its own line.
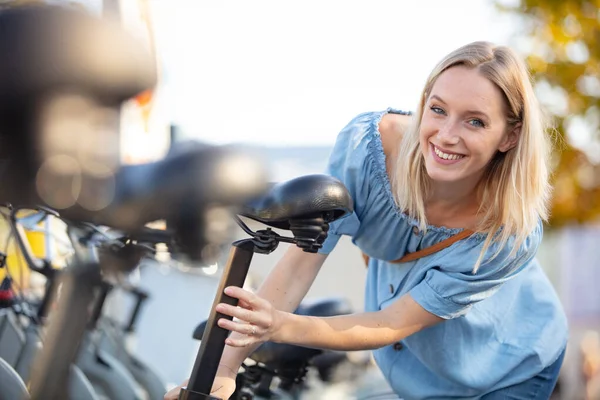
<point x="443" y="179"/>
<point x="439" y="176"/>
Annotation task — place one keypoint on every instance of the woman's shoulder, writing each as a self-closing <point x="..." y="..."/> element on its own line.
<point x="392" y="128"/>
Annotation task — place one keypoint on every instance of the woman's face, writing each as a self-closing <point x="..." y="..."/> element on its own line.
<point x="463" y="126"/>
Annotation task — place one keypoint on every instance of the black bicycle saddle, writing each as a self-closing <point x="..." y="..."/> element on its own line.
<point x="305" y="197"/>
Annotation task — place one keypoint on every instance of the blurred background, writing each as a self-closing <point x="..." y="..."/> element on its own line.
<point x="285" y="77"/>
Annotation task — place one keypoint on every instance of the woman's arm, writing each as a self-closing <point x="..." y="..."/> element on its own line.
<point x="260" y="322"/>
<point x="364" y="331"/>
<point x="284" y="288"/>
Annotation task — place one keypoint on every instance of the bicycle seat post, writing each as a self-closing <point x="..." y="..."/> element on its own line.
<point x="213" y="340"/>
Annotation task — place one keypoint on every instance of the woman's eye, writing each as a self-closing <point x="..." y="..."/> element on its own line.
<point x="436" y="110"/>
<point x="477" y="123"/>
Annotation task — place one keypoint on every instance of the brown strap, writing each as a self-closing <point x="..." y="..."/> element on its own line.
<point x="427" y="251"/>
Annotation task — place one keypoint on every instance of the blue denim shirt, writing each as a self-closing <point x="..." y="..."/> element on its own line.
<point x="504" y="324"/>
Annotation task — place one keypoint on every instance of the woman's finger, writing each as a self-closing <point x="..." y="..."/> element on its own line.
<point x="237" y="312"/>
<point x="241" y="341"/>
<point x="249" y="298"/>
<point x="246" y="329"/>
<point x="259" y="318"/>
<point x="243" y="304"/>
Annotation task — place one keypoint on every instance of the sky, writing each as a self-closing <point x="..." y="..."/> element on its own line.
<point x="285" y="73"/>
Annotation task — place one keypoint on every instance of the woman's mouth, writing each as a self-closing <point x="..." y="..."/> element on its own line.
<point x="445" y="157"/>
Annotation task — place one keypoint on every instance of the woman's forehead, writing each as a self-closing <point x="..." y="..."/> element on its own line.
<point x="466" y="88"/>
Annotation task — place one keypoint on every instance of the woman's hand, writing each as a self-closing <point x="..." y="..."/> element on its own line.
<point x="257" y="320"/>
<point x="223" y="385"/>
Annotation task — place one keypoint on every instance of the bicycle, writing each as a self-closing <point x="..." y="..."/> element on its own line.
<point x="55" y="81"/>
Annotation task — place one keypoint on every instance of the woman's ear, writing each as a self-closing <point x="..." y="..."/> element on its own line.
<point x="511" y="138"/>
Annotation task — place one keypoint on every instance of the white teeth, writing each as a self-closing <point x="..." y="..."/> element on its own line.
<point x="446" y="156"/>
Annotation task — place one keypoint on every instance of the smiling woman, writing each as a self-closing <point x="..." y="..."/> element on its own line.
<point x="483" y="138"/>
<point x="460" y="188"/>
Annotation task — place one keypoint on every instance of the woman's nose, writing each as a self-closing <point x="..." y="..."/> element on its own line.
<point x="448" y="133"/>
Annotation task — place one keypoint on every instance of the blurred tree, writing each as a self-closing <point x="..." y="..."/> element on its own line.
<point x="561" y="39"/>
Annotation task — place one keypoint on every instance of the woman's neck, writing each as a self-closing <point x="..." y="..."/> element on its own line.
<point x="453" y="204"/>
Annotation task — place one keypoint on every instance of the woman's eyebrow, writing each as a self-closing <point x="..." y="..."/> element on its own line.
<point x="471" y="112"/>
<point x="438" y="98"/>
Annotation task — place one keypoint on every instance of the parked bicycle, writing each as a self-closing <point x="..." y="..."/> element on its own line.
<point x="59" y="98"/>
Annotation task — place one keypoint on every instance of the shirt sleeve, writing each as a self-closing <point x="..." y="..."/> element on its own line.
<point x="450" y="288"/>
<point x="351" y="162"/>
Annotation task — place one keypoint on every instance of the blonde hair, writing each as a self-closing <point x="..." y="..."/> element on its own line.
<point x="515" y="188"/>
